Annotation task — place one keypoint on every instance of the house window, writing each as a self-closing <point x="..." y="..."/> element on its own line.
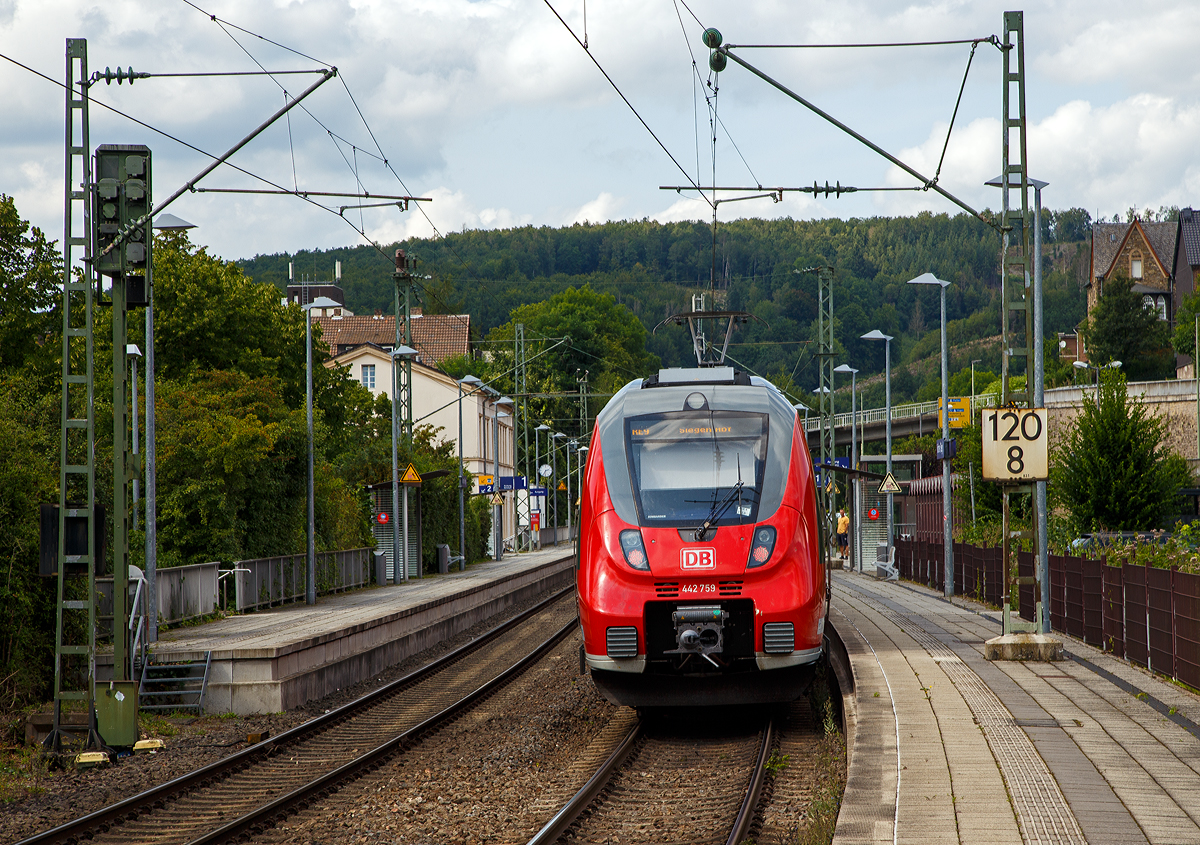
<point x="1162" y="308"/>
<point x="1148" y="303"/>
<point x="368" y="376"/>
<point x="1135" y="266"/>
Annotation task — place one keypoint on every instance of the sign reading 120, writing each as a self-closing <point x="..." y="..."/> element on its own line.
<point x="1014" y="444"/>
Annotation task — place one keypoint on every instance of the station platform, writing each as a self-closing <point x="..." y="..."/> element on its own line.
<point x="946" y="747"/>
<point x="284" y="657"/>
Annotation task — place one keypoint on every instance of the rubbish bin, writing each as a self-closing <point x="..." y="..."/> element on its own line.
<point x="443" y="558"/>
<point x="380" y="569"/>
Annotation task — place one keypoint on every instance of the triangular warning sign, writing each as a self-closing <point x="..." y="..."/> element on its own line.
<point x="497" y="499"/>
<point x="562" y="485"/>
<point x="890" y="485"/>
<point x="411" y="476"/>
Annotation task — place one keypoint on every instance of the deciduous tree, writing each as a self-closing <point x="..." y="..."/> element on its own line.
<point x="1120" y="328"/>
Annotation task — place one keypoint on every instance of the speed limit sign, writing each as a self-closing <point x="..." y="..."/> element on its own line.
<point x="1014" y="444"/>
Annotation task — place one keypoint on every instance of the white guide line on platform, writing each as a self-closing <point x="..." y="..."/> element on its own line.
<point x="1042" y="810"/>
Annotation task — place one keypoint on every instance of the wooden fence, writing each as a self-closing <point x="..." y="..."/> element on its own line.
<point x="1149" y="616"/>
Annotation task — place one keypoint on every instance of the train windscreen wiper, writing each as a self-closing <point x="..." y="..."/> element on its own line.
<point x="719" y="508"/>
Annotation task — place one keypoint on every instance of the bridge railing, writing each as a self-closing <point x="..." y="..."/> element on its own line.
<point x="899" y="412"/>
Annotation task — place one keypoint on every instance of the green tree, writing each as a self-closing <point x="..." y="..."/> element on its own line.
<point x="30" y="274"/>
<point x="606" y="341"/>
<point x="1184" y="339"/>
<point x="1121" y="329"/>
<point x="28" y="478"/>
<point x="210" y="316"/>
<point x="1112" y="469"/>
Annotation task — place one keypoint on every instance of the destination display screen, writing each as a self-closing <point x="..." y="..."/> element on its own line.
<point x="689" y="466"/>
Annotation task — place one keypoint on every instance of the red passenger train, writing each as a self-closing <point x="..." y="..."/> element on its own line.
<point x="701" y="579"/>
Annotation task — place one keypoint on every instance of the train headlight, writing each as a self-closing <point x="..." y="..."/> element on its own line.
<point x="762" y="547"/>
<point x="634" y="550"/>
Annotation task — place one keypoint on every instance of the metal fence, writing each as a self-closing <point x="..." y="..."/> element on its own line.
<point x="276" y="580"/>
<point x="1146" y="615"/>
<point x="184" y="592"/>
<point x="899" y="412"/>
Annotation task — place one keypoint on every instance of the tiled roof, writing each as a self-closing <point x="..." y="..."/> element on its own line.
<point x="1108" y="238"/>
<point x="1189" y="231"/>
<point x="435" y="336"/>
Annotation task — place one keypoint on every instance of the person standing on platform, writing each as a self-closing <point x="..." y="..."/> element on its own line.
<point x="843" y="534"/>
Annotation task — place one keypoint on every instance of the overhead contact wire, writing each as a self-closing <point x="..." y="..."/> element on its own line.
<point x="625" y="99"/>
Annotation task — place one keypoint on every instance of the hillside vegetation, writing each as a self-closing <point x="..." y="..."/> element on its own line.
<point x="654" y="268"/>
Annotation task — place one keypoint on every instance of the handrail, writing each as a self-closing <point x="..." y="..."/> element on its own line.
<point x="137" y="613"/>
<point x="905" y="411"/>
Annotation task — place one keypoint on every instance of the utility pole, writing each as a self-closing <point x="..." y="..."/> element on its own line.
<point x="75" y="659"/>
<point x="520" y="410"/>
<point x="1016" y="295"/>
<point x="402" y="407"/>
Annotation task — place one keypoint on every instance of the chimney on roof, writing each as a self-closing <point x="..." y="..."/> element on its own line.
<point x="378" y="314"/>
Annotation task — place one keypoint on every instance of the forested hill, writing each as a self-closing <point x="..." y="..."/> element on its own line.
<point x="654" y="268"/>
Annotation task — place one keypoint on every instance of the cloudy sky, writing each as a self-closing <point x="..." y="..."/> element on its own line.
<point x="494" y="111"/>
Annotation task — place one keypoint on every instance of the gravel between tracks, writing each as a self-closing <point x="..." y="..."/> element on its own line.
<point x="495" y="775"/>
<point x="58" y="797"/>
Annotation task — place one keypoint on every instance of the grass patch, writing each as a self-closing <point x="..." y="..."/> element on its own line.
<point x="23" y="772"/>
<point x="821" y="817"/>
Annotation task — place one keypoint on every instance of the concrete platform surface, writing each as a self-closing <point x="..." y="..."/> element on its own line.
<point x="947" y="747"/>
<point x="273" y="660"/>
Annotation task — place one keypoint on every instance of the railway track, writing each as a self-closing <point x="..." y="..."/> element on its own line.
<point x="250" y="790"/>
<point x="670" y="783"/>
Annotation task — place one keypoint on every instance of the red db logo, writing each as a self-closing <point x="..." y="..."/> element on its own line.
<point x="697" y="558"/>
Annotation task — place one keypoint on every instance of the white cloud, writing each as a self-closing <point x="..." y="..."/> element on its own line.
<point x="450" y="211"/>
<point x="600" y="210"/>
<point x="495" y="103"/>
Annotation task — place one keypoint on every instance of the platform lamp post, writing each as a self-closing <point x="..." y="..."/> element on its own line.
<point x="310" y="569"/>
<point x="876" y="334"/>
<point x="1082" y="365"/>
<point x="568" y="447"/>
<point x="947" y="515"/>
<point x="164" y="223"/>
<point x="471" y="382"/>
<point x="582" y="452"/>
<point x="854" y="555"/>
<point x="558" y="435"/>
<point x="537" y="456"/>
<point x="399" y="553"/>
<point x="498" y="510"/>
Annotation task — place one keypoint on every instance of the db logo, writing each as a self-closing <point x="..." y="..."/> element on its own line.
<point x="697" y="558"/>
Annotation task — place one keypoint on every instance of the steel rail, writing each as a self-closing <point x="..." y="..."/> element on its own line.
<point x="107" y="817"/>
<point x="745" y="816"/>
<point x="265" y="816"/>
<point x="554" y="829"/>
<point x="564" y="818"/>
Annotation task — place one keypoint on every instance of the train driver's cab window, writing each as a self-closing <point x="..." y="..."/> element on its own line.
<point x="689" y="466"/>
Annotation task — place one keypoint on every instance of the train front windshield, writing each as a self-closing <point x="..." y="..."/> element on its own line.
<point x="689" y="466"/>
